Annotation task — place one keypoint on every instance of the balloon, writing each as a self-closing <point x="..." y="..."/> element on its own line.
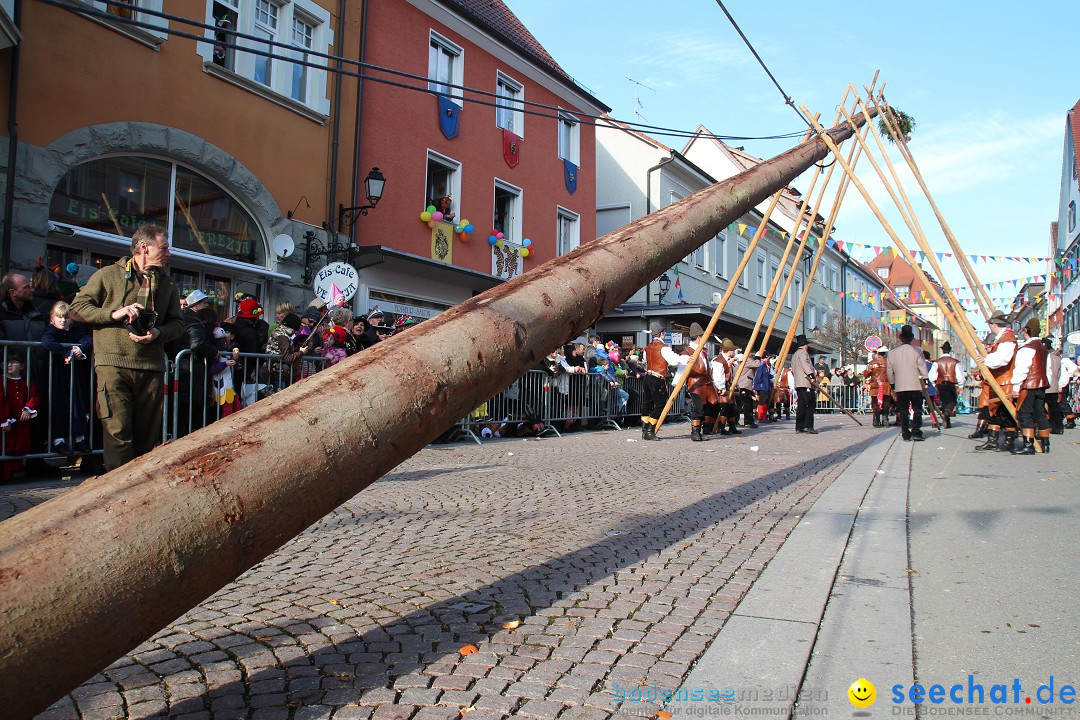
<point x="466" y="236"/>
<point x="499" y="235"/>
<point x="425" y="216"/>
<point x="459" y="229"/>
<point x="463" y="237"/>
<point x="526" y="242"/>
<point x="468" y="226"/>
<point x="431" y="208"/>
<point x="492" y="239"/>
<point x="498" y="242"/>
<point x="431" y="223"/>
<point x="524" y="252"/>
<point x="436" y="216"/>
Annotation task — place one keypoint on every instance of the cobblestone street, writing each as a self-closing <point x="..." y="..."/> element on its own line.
<point x="620" y="559"/>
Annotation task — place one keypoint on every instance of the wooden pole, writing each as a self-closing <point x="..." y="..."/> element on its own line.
<point x="963" y="325"/>
<point x="1006" y="401"/>
<point x="762" y="226"/>
<point x="192" y="225"/>
<point x="173" y="526"/>
<point x="112" y="215"/>
<point x="853" y="157"/>
<point x="809" y="225"/>
<point x="981" y="296"/>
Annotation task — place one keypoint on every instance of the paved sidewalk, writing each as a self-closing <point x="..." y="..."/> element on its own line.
<point x="620" y="559"/>
<point x="954" y="563"/>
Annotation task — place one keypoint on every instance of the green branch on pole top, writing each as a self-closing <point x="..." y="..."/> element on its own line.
<point x="905" y="124"/>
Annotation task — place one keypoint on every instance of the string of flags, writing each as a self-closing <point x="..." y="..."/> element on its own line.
<point x="745" y="229"/>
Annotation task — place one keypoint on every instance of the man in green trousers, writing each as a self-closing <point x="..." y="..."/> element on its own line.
<point x="134" y="308"/>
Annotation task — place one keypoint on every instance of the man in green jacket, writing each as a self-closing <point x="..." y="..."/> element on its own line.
<point x="134" y="308"/>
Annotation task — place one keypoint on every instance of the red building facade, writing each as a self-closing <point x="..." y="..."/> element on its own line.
<point x="502" y="162"/>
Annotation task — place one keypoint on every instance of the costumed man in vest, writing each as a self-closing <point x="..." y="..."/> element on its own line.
<point x="982" y="417"/>
<point x="876" y="374"/>
<point x="1053" y="392"/>
<point x="947" y="375"/>
<point x="906" y="372"/>
<point x="658" y="356"/>
<point x="803" y="370"/>
<point x="714" y="418"/>
<point x="1000" y="362"/>
<point x="1029" y="382"/>
<point x="1065" y="390"/>
<point x="699" y="382"/>
<point x="782" y="394"/>
<point x="723" y="367"/>
<point x="745" y="395"/>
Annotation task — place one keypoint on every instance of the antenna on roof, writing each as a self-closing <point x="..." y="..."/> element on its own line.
<point x="638" y="105"/>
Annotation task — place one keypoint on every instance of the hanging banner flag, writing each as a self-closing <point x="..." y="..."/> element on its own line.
<point x="752" y="229"/>
<point x="742" y="228"/>
<point x="570" y="175"/>
<point x="511" y="148"/>
<point x="449" y="117"/>
<point x="783" y="234"/>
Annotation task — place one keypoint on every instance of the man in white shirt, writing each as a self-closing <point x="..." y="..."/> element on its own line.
<point x="947" y="375"/>
<point x="1030" y="379"/>
<point x="1000" y="362"/>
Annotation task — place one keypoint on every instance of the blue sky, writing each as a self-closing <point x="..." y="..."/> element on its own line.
<point x="987" y="83"/>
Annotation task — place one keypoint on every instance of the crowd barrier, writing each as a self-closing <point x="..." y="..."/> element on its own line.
<point x="198" y="395"/>
<point x="853" y="398"/>
<point x="542" y="403"/>
<point x="539" y="403"/>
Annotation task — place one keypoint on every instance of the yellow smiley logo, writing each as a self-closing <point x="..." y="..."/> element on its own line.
<point x="862" y="693"/>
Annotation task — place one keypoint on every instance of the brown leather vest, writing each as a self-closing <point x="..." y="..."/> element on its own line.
<point x="946" y="369"/>
<point x="698" y="379"/>
<point x="1003" y="375"/>
<point x="654" y="360"/>
<point x="1036" y="376"/>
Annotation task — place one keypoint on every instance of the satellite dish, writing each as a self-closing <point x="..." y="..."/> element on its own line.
<point x="283" y="246"/>
<point x="1073" y="337"/>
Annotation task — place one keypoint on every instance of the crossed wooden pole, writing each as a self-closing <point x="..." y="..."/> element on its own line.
<point x="958" y="320"/>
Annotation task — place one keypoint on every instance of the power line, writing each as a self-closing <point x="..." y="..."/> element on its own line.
<point x="787" y="98"/>
<point x="519" y="105"/>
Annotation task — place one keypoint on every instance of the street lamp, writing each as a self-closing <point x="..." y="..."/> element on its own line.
<point x="374" y="184"/>
<point x="665" y="285"/>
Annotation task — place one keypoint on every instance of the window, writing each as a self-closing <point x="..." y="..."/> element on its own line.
<point x="834" y="283"/>
<point x="811" y="315"/>
<point x="741" y="256"/>
<point x="699" y="256"/>
<point x="902" y="290"/>
<point x="719" y="254"/>
<point x="301" y="25"/>
<point x="759" y="274"/>
<point x="115" y="195"/>
<point x="1072" y="216"/>
<point x="611" y="217"/>
<point x="568" y="137"/>
<point x="125" y="11"/>
<point x="775" y="267"/>
<point x="883" y="273"/>
<point x="567" y="231"/>
<point x="509" y="111"/>
<point x="446" y="67"/>
<point x="505" y="261"/>
<point x="796" y="291"/>
<point x="266" y="25"/>
<point x="442" y="180"/>
<point x="303" y="39"/>
<point x="507" y="216"/>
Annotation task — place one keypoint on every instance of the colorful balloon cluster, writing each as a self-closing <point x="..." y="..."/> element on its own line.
<point x="463" y="229"/>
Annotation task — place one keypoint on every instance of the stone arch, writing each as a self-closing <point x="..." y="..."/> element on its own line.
<point x="95" y="141"/>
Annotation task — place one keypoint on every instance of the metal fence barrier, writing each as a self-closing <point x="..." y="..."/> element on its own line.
<point x="540" y="403"/>
<point x="853" y="398"/>
<point x="59" y="388"/>
<point x="204" y="390"/>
